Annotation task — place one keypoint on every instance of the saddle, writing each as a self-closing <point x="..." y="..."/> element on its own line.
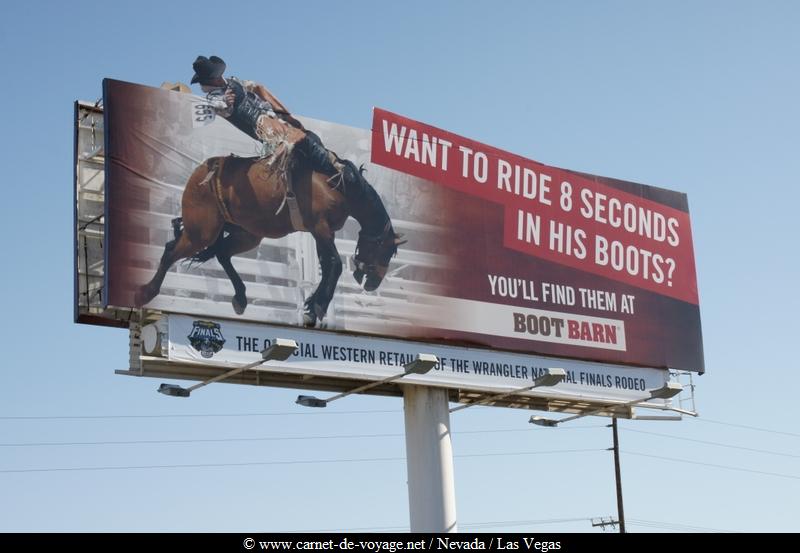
<point x="278" y="161"/>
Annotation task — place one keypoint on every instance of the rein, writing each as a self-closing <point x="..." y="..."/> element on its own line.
<point x="223" y="208"/>
<point x="377" y="238"/>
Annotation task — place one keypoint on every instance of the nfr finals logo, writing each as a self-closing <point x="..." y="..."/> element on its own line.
<point x="206" y="337"/>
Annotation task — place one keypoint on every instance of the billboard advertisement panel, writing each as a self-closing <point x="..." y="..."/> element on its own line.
<point x="230" y="344"/>
<point x="416" y="233"/>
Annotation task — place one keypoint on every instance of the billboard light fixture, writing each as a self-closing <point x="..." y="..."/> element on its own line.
<point x="173" y="390"/>
<point x="549" y="377"/>
<point x="423" y="363"/>
<point x="311" y="401"/>
<point x="668" y="390"/>
<point x="280" y="350"/>
<point x="541" y="421"/>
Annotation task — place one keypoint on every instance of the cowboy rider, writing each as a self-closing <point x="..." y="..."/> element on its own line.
<point x="253" y="109"/>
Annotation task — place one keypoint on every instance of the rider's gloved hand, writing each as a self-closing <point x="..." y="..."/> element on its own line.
<point x="230" y="97"/>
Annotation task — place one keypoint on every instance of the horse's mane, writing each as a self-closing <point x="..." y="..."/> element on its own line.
<point x="366" y="203"/>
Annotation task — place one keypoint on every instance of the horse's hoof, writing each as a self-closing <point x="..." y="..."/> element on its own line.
<point x="358" y="274"/>
<point x="312" y="314"/>
<point x="239" y="304"/>
<point x="372" y="283"/>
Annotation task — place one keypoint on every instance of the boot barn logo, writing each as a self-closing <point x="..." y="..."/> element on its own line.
<point x="206" y="337"/>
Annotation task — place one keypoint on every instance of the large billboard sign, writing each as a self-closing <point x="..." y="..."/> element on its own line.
<point x="442" y="239"/>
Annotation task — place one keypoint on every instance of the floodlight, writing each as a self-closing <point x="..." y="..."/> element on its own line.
<point x="422" y="364"/>
<point x="280" y="350"/>
<point x="173" y="390"/>
<point x="311" y="401"/>
<point x="541" y="421"/>
<point x="550" y="377"/>
<point x="668" y="390"/>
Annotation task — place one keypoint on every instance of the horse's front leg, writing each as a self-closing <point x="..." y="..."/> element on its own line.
<point x="316" y="305"/>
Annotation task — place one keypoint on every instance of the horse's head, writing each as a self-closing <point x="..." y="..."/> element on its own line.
<point x="373" y="254"/>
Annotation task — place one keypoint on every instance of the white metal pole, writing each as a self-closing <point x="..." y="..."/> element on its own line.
<point x="429" y="457"/>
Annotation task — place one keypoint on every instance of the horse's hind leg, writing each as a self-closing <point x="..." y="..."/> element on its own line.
<point x="185" y="244"/>
<point x="196" y="229"/>
<point x="174" y="250"/>
<point x="238" y="241"/>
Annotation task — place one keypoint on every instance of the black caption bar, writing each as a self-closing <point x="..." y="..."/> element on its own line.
<point x="360" y="543"/>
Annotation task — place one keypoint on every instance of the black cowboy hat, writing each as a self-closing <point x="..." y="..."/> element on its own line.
<point x="208" y="70"/>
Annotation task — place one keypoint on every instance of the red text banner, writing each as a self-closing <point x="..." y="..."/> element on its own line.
<point x="551" y="213"/>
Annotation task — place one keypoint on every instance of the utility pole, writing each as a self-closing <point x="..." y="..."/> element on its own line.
<point x="620" y="511"/>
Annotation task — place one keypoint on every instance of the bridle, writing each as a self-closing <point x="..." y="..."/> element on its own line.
<point x="377" y="241"/>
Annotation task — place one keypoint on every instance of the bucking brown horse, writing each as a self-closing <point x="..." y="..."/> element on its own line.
<point x="231" y="203"/>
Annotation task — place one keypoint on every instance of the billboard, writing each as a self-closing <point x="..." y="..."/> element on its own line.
<point x="442" y="239"/>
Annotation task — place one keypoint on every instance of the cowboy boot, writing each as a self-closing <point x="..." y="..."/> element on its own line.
<point x="321" y="159"/>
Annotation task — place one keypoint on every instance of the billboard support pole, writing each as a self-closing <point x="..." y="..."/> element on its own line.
<point x="618" y="474"/>
<point x="429" y="458"/>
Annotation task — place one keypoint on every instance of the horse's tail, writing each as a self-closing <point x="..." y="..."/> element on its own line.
<point x="204" y="255"/>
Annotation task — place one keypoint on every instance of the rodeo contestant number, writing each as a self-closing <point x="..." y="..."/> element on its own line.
<point x="202" y="114"/>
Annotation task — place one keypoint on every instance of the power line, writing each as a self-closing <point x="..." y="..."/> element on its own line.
<point x="510" y="523"/>
<point x="212" y="415"/>
<point x="200" y="440"/>
<point x="546" y="452"/>
<point x="255" y="439"/>
<point x="360" y="529"/>
<point x="293" y="462"/>
<point x="204" y="465"/>
<point x="705" y="442"/>
<point x="756" y="428"/>
<point x="479" y="525"/>
<point x="727" y="467"/>
<point x="199" y="415"/>
<point x="676" y="526"/>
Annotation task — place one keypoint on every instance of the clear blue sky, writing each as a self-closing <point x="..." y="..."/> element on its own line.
<point x="700" y="97"/>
